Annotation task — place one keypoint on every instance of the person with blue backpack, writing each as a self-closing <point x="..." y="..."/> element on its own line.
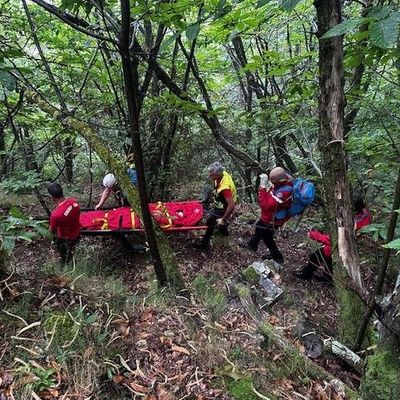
<point x="110" y="185"/>
<point x="274" y="195"/>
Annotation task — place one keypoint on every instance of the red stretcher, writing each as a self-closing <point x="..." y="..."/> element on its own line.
<point x="171" y="217"/>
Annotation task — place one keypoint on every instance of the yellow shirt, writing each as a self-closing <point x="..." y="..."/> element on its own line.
<point x="226" y="183"/>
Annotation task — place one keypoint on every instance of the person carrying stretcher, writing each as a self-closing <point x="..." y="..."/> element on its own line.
<point x="110" y="185"/>
<point x="225" y="198"/>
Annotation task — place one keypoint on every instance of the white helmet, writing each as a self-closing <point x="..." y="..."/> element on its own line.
<point x="109" y="181"/>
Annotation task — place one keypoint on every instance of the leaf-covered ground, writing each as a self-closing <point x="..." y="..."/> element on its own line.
<point x="102" y="329"/>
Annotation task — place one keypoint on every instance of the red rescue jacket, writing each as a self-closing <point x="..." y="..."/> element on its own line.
<point x="275" y="199"/>
<point x="361" y="219"/>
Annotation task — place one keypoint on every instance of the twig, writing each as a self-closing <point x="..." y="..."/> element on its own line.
<point x="30" y="351"/>
<point x="261" y="396"/>
<point x="32" y="325"/>
<point x="15" y="316"/>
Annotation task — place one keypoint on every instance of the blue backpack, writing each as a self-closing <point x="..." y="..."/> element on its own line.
<point x="303" y="196"/>
<point x="132" y="175"/>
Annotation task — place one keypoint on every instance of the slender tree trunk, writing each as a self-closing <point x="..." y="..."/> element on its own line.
<point x="69" y="159"/>
<point x="131" y="81"/>
<point x="3" y="165"/>
<point x="335" y="179"/>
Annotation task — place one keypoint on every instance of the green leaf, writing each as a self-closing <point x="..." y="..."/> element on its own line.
<point x="8" y="243"/>
<point x="344" y="27"/>
<point x="17" y="213"/>
<point x="380" y="13"/>
<point x="169" y="40"/>
<point x="394" y="244"/>
<point x="192" y="31"/>
<point x="289" y="5"/>
<point x="385" y="32"/>
<point x="261" y="3"/>
<point x="6" y="79"/>
<point x="28" y="236"/>
<point x="13" y="53"/>
<point x="43" y="231"/>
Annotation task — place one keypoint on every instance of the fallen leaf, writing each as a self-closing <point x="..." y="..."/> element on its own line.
<point x="118" y="379"/>
<point x="163" y="394"/>
<point x="273" y="319"/>
<point x="180" y="349"/>
<point x="88" y="352"/>
<point x="138" y="388"/>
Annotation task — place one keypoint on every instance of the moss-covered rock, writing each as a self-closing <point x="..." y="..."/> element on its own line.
<point x="382" y="378"/>
<point x="251" y="275"/>
<point x="242" y="389"/>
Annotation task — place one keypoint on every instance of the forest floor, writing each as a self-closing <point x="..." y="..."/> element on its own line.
<point x="103" y="330"/>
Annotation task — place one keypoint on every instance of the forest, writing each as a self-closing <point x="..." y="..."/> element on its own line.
<point x="165" y="128"/>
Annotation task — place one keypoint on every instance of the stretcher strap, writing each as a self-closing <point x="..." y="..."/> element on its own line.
<point x="133" y="219"/>
<point x="105" y="221"/>
<point x="163" y="208"/>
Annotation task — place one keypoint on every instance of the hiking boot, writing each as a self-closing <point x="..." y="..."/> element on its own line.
<point x="269" y="257"/>
<point x="301" y="274"/>
<point x="251" y="246"/>
<point x="323" y="277"/>
<point x="201" y="244"/>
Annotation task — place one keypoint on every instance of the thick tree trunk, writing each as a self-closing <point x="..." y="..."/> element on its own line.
<point x="335" y="179"/>
<point x="382" y="377"/>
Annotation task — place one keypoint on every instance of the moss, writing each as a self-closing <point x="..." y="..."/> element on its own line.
<point x="213" y="299"/>
<point x="64" y="328"/>
<point x="242" y="389"/>
<point x="351" y="310"/>
<point x="251" y="275"/>
<point x="382" y="378"/>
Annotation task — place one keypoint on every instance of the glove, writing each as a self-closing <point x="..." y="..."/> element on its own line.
<point x="221" y="222"/>
<point x="264" y="181"/>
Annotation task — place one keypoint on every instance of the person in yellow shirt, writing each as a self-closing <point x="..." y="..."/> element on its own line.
<point x="225" y="197"/>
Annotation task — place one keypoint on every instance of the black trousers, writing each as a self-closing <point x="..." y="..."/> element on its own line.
<point x="265" y="232"/>
<point x="318" y="260"/>
<point x="66" y="249"/>
<point x="212" y="222"/>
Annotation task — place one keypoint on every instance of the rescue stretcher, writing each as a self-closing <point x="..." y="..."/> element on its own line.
<point x="170" y="216"/>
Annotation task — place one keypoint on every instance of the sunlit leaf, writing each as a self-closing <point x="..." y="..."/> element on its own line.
<point x="394" y="244"/>
<point x="344" y="27"/>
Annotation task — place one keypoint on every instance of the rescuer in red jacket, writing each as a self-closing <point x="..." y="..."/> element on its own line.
<point x="322" y="258"/>
<point x="274" y="194"/>
<point x="64" y="222"/>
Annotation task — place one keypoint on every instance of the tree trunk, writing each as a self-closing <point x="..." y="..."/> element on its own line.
<point x="335" y="179"/>
<point x="3" y="165"/>
<point x="69" y="159"/>
<point x="382" y="378"/>
<point x="131" y="80"/>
